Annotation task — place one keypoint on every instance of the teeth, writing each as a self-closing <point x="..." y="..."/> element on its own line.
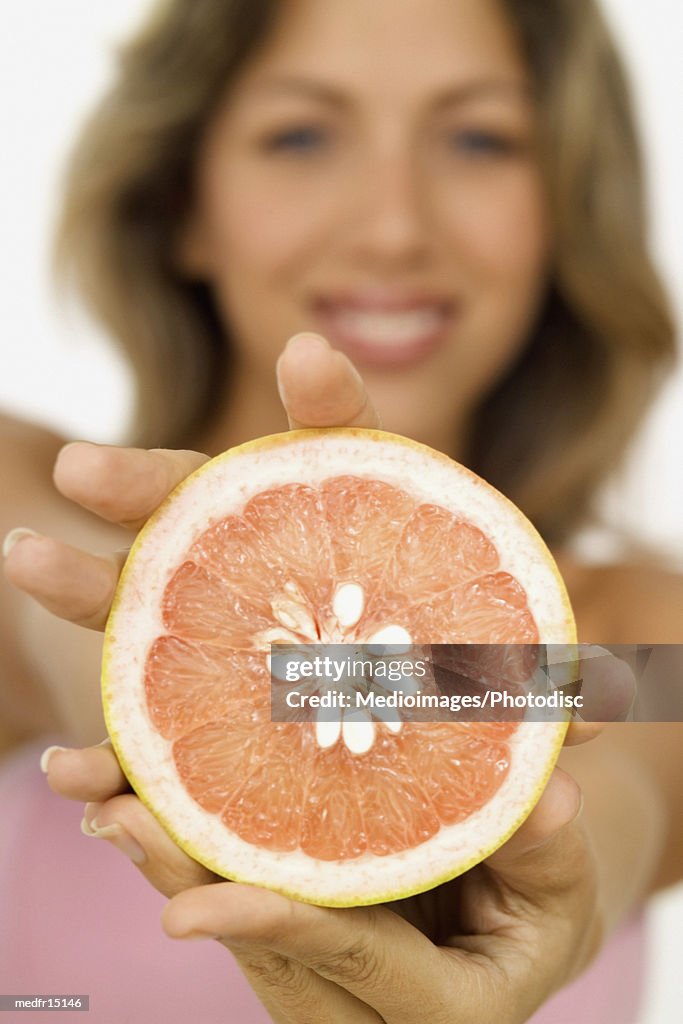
<point x="390" y="328"/>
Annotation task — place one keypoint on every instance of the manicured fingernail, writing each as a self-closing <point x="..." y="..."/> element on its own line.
<point x="89" y="814"/>
<point x="117" y="836"/>
<point x="85" y="827"/>
<point x="45" y="757"/>
<point x="196" y="936"/>
<point x="17" y="534"/>
<point x="579" y="811"/>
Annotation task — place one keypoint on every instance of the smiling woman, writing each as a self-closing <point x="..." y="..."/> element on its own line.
<point x="434" y="161"/>
<point x="451" y="194"/>
<point x="292" y="181"/>
<point x="384" y="236"/>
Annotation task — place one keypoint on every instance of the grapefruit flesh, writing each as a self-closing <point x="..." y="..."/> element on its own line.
<point x="314" y="537"/>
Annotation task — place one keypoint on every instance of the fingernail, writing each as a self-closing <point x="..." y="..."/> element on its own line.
<point x="308" y="334"/>
<point x="90" y="813"/>
<point x="45" y="758"/>
<point x="17" y="534"/>
<point x="72" y="444"/>
<point x="117" y="836"/>
<point x="580" y="808"/>
<point x="196" y="936"/>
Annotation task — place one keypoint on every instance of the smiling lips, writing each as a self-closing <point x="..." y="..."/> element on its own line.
<point x="382" y="330"/>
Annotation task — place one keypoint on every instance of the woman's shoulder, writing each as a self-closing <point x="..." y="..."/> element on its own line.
<point x="19" y="435"/>
<point x="27" y="454"/>
<point x="637" y="599"/>
<point x="29" y="497"/>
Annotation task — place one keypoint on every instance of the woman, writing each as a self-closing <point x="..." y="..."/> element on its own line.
<point x="449" y="193"/>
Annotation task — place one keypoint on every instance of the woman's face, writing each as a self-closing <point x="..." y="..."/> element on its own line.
<point x="371" y="176"/>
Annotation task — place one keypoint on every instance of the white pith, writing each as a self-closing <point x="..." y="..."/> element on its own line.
<point x="399" y="328"/>
<point x="222" y="488"/>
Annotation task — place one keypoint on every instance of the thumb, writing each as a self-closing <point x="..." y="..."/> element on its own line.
<point x="549" y="850"/>
<point x="320" y="387"/>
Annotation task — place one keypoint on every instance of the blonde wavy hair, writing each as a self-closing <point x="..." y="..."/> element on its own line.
<point x="562" y="417"/>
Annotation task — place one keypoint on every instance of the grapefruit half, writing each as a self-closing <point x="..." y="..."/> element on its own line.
<point x="326" y="536"/>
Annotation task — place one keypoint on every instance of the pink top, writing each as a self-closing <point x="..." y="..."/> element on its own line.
<point x="78" y="918"/>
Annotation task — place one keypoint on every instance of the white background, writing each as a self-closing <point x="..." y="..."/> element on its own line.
<point x="54" y="59"/>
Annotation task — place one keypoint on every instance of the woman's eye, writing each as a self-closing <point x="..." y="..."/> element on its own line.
<point x="301" y="140"/>
<point x="483" y="143"/>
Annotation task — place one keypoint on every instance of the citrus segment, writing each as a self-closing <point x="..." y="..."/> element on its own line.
<point x="489" y="610"/>
<point x="256" y="811"/>
<point x="293" y="544"/>
<point x="198" y="607"/>
<point x="332" y="826"/>
<point x="397" y="809"/>
<point x="365" y="519"/>
<point x="435" y="552"/>
<point x="188" y="684"/>
<point x="278" y="541"/>
<point x="222" y="550"/>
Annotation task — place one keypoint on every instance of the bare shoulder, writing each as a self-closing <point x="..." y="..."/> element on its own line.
<point x="28" y="497"/>
<point x="20" y="436"/>
<point x="646" y="599"/>
<point x="27" y="454"/>
<point x="635" y="601"/>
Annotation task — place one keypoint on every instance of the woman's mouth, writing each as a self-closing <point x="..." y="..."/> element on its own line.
<point x="385" y="333"/>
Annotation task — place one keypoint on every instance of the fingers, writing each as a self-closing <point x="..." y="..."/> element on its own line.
<point x="608" y="689"/>
<point x="114" y="813"/>
<point x="548" y="857"/>
<point x="559" y="805"/>
<point x="88" y="775"/>
<point x="122" y="485"/>
<point x="371" y="952"/>
<point x="320" y="387"/>
<point x="288" y="989"/>
<point x="73" y="584"/>
<point x="127" y="824"/>
<point x="547" y="876"/>
<point x="293" y="993"/>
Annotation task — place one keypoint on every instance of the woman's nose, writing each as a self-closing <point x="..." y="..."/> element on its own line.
<point x="391" y="217"/>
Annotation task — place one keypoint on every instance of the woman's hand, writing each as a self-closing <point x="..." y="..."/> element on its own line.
<point x="491" y="945"/>
<point x="318" y="387"/>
